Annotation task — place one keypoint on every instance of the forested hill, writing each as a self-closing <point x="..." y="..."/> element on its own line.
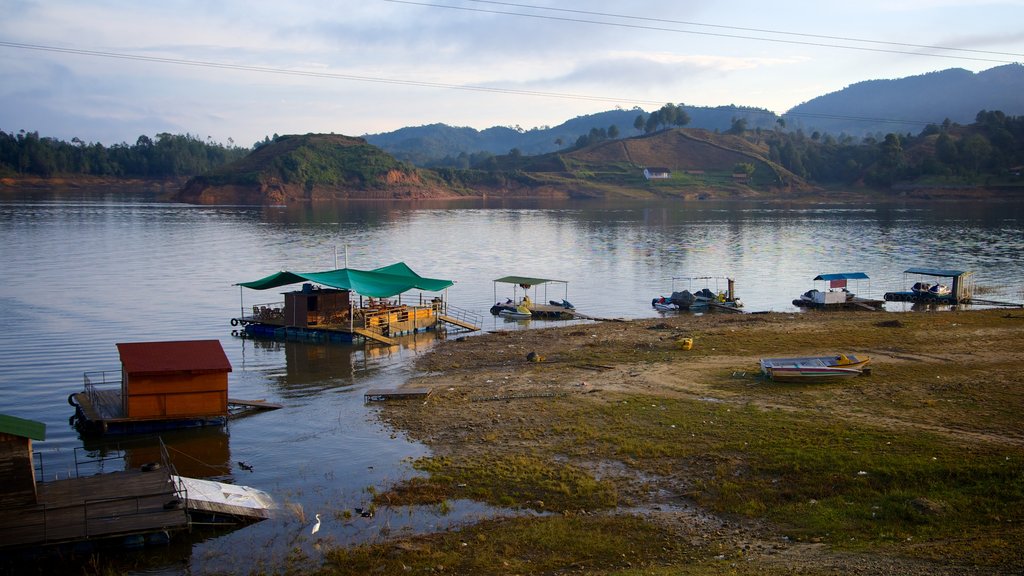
<point x="312" y="167"/>
<point x="874" y="107"/>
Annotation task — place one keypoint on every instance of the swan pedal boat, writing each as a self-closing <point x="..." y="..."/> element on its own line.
<point x="813" y="368"/>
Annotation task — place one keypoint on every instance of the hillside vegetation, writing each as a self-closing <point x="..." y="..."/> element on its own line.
<point x="312" y="167"/>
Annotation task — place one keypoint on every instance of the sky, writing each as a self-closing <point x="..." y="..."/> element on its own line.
<point x="235" y="72"/>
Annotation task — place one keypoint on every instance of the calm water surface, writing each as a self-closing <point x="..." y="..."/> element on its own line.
<point x="83" y="273"/>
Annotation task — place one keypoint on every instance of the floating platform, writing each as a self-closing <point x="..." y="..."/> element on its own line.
<point x="102" y="412"/>
<point x="128" y="507"/>
<point x="542" y="311"/>
<point x="379" y="395"/>
<point x="910" y="296"/>
<point x="855" y="303"/>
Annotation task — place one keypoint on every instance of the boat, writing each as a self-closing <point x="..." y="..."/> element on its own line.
<point x="813" y="368"/>
<point x="663" y="304"/>
<point x="700" y="300"/>
<point x="835" y="295"/>
<point x="522" y="312"/>
<point x="927" y="291"/>
<point x="515" y="306"/>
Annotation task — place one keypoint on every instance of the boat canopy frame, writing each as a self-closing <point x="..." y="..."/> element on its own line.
<point x="841" y="279"/>
<point x="527" y="282"/>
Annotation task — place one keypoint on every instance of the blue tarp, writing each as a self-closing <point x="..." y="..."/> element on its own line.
<point x="842" y="276"/>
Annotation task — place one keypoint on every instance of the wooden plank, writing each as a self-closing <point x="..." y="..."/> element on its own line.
<point x="395" y="394"/>
<point x="371" y="335"/>
<point x="263" y="404"/>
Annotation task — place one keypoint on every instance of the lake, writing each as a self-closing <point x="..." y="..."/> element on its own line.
<point x="84" y="272"/>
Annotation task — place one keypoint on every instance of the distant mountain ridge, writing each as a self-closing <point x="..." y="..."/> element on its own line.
<point x="865" y="108"/>
<point x="422" y="145"/>
<point x="956" y="94"/>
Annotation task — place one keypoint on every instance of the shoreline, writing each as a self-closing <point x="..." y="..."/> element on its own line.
<point x="164" y="189"/>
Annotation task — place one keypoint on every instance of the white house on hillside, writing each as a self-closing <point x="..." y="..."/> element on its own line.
<point x="653" y="172"/>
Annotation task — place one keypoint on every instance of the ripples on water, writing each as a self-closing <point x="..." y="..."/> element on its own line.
<point x="86" y="273"/>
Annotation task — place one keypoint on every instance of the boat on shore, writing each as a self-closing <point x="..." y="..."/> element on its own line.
<point x="813" y="368"/>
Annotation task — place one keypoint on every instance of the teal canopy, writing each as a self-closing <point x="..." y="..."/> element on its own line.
<point x="379" y="283"/>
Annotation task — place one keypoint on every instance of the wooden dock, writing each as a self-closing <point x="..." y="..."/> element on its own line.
<point x="110" y="505"/>
<point x="378" y="395"/>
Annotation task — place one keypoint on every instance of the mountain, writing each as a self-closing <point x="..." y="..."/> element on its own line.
<point x="876" y="107"/>
<point x="426" y="145"/>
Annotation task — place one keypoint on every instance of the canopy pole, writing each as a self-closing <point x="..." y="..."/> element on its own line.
<point x="241" y="302"/>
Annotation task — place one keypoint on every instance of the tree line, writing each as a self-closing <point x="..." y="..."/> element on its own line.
<point x="165" y="156"/>
<point x="989" y="151"/>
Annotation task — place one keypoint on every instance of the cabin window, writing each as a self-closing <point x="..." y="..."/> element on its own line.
<point x="311" y="304"/>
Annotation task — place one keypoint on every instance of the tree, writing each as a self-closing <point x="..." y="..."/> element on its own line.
<point x="639" y="123"/>
<point x="739" y="126"/>
<point x="613" y="132"/>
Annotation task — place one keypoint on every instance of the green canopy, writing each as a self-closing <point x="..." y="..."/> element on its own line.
<point x="379" y="283"/>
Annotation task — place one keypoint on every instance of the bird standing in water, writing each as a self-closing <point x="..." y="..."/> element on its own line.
<point x="316" y="527"/>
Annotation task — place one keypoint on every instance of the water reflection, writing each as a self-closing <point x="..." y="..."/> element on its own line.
<point x="195" y="453"/>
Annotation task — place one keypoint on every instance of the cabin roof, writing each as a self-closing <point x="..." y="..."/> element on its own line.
<point x="527" y="280"/>
<point x="193" y="356"/>
<point x="21" y="427"/>
<point x="377" y="283"/>
<point x="934" y="272"/>
<point x="842" y="276"/>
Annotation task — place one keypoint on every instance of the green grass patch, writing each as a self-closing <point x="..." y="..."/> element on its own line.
<point x="514" y="481"/>
<point x="848" y="485"/>
<point x="548" y="545"/>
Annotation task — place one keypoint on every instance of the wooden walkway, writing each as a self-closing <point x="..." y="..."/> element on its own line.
<point x="395" y="394"/>
<point x="103" y="506"/>
<point x="456" y="322"/>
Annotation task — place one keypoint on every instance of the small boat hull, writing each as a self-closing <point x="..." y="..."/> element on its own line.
<point x="515" y="315"/>
<point x="814" y="368"/>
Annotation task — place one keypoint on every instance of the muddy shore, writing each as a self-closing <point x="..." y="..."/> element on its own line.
<point x="950" y="378"/>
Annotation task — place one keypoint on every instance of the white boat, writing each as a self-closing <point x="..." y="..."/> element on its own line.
<point x="217" y="499"/>
<point x="813" y="368"/>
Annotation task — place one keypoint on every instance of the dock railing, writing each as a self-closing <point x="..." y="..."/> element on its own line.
<point x="460" y="314"/>
<point x="104" y="379"/>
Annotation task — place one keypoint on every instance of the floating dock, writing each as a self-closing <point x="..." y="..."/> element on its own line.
<point x="379" y="395"/>
<point x="135" y="506"/>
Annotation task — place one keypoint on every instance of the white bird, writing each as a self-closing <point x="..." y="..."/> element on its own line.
<point x="316" y="527"/>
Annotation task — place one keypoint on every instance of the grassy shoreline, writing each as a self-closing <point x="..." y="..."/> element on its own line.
<point x="690" y="463"/>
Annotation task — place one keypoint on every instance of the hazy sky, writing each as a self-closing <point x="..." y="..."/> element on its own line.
<point x="109" y="71"/>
